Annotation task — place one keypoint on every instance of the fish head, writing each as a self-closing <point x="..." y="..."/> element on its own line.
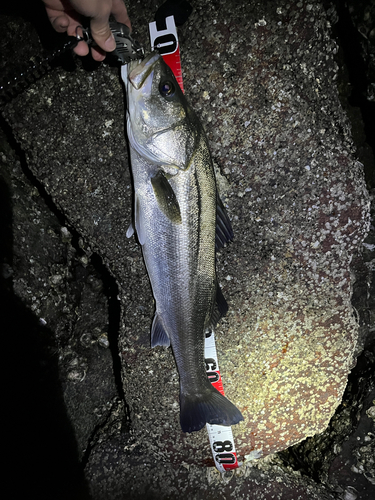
<point x="161" y="125"/>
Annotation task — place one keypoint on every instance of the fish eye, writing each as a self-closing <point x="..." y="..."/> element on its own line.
<point x="167" y="88"/>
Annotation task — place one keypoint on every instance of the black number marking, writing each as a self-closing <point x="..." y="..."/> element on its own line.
<point x="225" y="458"/>
<point x="220" y="446"/>
<point x="166" y="44"/>
<point x="210" y="364"/>
<point x="213" y="377"/>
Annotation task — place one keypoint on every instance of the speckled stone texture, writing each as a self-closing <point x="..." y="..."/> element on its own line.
<point x="262" y="79"/>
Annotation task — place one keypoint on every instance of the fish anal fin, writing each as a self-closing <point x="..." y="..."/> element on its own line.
<point x="158" y="334"/>
<point x="166" y="197"/>
<point x="220" y="308"/>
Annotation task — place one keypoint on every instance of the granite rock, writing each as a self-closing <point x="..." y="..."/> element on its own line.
<point x="262" y="79"/>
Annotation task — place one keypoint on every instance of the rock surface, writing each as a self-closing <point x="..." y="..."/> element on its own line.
<point x="262" y="78"/>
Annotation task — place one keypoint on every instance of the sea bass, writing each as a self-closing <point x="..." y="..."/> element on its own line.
<point x="175" y="218"/>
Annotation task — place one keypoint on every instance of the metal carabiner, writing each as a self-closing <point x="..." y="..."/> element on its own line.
<point x="127" y="49"/>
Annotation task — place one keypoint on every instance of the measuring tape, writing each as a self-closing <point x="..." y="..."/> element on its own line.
<point x="220" y="436"/>
<point x="166" y="41"/>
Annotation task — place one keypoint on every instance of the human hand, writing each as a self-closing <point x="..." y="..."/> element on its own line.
<point x="65" y="15"/>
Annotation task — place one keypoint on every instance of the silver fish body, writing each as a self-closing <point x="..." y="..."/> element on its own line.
<point x="175" y="215"/>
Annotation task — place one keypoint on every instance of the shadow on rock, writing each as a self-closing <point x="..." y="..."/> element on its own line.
<point x="40" y="448"/>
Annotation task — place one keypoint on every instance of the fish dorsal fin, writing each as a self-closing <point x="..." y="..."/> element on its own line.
<point x="166" y="197"/>
<point x="224" y="231"/>
<point x="158" y="335"/>
<point x="138" y="219"/>
<point x="220" y="308"/>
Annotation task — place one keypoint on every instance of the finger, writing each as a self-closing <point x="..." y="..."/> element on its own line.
<point x="82" y="49"/>
<point x="75" y="29"/>
<point x="102" y="34"/>
<point x="58" y="19"/>
<point x="64" y="22"/>
<point x="120" y="13"/>
<point x="99" y="12"/>
<point x="98" y="54"/>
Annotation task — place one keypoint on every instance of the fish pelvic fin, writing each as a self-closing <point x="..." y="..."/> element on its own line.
<point x="139" y="222"/>
<point x="130" y="231"/>
<point x="208" y="407"/>
<point x="158" y="334"/>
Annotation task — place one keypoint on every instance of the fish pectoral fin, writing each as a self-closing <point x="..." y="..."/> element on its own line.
<point x="224" y="231"/>
<point x="166" y="197"/>
<point x="158" y="334"/>
<point x="220" y="308"/>
<point x="138" y="219"/>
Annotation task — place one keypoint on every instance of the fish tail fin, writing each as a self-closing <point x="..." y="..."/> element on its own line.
<point x="208" y="407"/>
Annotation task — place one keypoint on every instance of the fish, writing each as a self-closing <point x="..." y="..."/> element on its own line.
<point x="180" y="222"/>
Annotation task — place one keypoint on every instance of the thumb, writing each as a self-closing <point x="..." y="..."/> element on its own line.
<point x="102" y="34"/>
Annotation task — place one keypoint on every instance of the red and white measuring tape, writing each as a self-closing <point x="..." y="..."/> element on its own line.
<point x="221" y="437"/>
<point x="166" y="42"/>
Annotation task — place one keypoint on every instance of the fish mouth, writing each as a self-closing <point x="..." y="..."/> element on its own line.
<point x="139" y="72"/>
